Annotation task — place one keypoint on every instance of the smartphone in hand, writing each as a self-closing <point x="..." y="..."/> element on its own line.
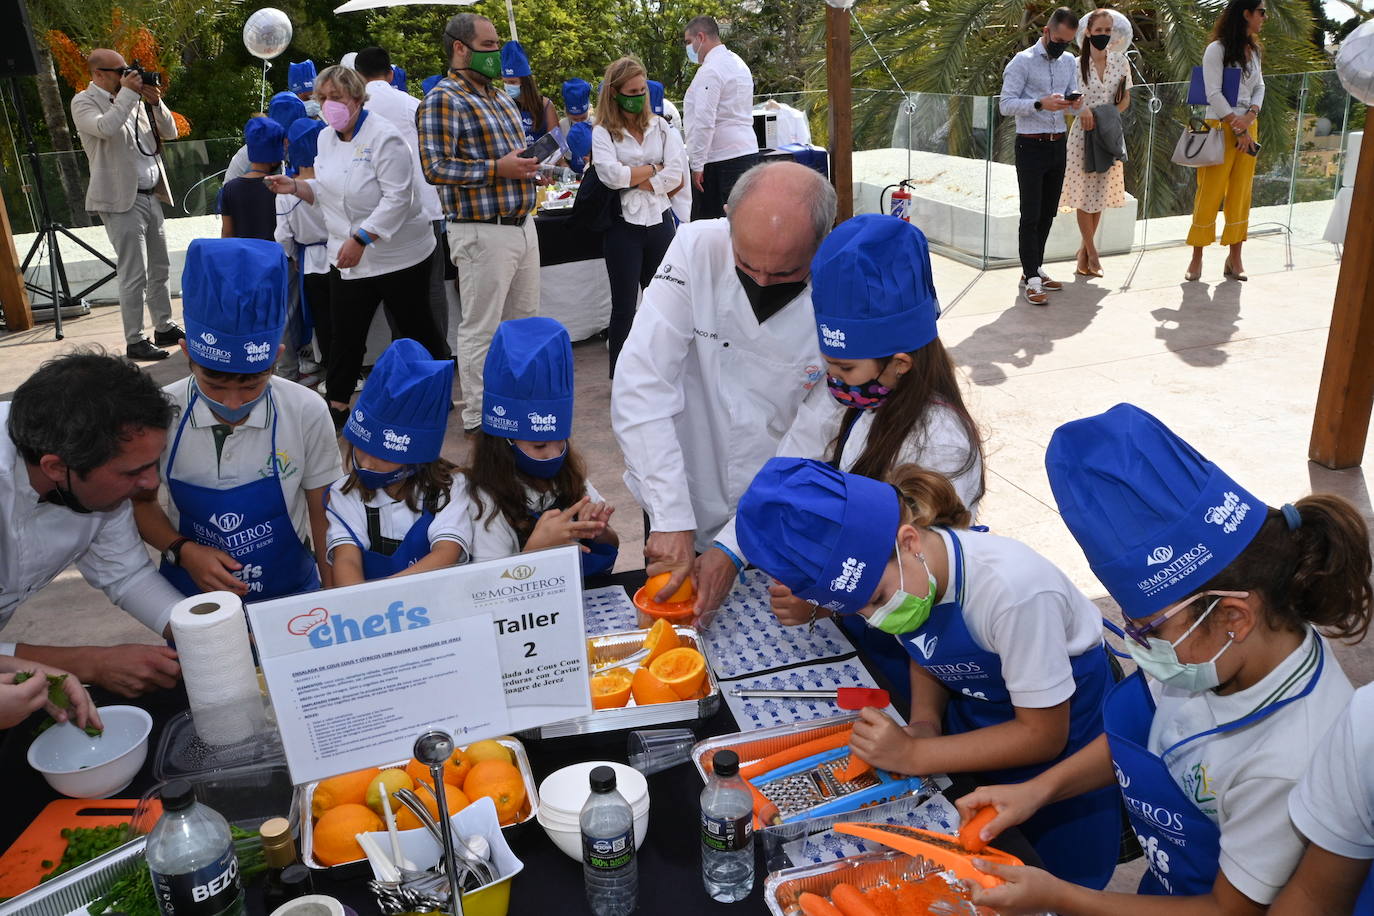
<point x="1254" y="148"/>
<point x="1073" y="96"/>
<point x="542" y="148"/>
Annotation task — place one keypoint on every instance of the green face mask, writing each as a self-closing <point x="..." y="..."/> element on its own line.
<point x="487" y="63"/>
<point x="634" y="104"/>
<point x="903" y="612"/>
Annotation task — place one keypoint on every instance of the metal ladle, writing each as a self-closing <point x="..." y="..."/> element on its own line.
<point x="434" y="749"/>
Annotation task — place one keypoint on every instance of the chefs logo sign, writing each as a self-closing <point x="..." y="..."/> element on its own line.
<point x="324" y="629"/>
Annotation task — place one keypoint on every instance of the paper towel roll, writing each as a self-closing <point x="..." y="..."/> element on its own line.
<point x="211" y="634"/>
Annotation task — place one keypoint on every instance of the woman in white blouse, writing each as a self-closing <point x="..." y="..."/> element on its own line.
<point x="1227" y="186"/>
<point x="636" y="152"/>
<point x="379" y="239"/>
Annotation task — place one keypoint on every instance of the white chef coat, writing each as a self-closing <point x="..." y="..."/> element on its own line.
<point x="492" y="536"/>
<point x="450" y="523"/>
<point x="1333" y="805"/>
<point x="1241" y="779"/>
<point x="307" y="451"/>
<point x="38" y="540"/>
<point x="368" y="183"/>
<point x="719" y="110"/>
<point x="703" y="393"/>
<point x="239" y="164"/>
<point x="940" y="444"/>
<point x="613" y="160"/>
<point x="399" y="108"/>
<point x="1251" y="84"/>
<point x="302" y="224"/>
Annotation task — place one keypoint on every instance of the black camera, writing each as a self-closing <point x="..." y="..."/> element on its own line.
<point x="149" y="77"/>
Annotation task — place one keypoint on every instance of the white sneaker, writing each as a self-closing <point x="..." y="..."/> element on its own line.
<point x="1034" y="292"/>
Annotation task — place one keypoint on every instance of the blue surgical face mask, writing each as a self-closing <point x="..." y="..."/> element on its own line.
<point x="692" y="55"/>
<point x="380" y="480"/>
<point x="231" y="414"/>
<point x="512" y="90"/>
<point x="543" y="468"/>
<point x="312" y="109"/>
<point x="1161" y="661"/>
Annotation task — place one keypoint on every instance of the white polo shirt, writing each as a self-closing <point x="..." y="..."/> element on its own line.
<point x="1333" y="805"/>
<point x="395" y="519"/>
<point x="307" y="454"/>
<point x="492" y="535"/>
<point x="1241" y="779"/>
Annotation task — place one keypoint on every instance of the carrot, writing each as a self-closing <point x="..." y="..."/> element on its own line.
<point x="765" y="812"/>
<point x="795" y="753"/>
<point x="970" y="829"/>
<point x="851" y="901"/>
<point x="854" y="767"/>
<point x="813" y="905"/>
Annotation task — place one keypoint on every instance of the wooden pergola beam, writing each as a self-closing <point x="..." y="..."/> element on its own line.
<point x="13" y="297"/>
<point x="839" y="83"/>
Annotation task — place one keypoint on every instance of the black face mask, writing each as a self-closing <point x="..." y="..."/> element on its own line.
<point x="66" y="498"/>
<point x="1055" y="48"/>
<point x="767" y="301"/>
<point x="1100" y="42"/>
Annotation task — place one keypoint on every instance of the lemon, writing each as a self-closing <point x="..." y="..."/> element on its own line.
<point x="391" y="781"/>
<point x="490" y="749"/>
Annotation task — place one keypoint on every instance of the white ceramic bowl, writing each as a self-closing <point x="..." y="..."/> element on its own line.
<point x="80" y="766"/>
<point x="569" y="839"/>
<point x="565" y="791"/>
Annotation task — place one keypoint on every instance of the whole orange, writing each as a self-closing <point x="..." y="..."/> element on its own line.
<point x="502" y="783"/>
<point x="455" y="770"/>
<point x="335" y="833"/>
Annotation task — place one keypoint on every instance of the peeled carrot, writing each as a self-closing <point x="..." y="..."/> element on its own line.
<point x="854" y="767"/>
<point x="765" y="812"/>
<point x="813" y="905"/>
<point x="793" y="754"/>
<point x="851" y="901"/>
<point x="970" y="829"/>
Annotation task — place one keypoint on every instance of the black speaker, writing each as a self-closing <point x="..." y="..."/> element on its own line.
<point x="18" y="55"/>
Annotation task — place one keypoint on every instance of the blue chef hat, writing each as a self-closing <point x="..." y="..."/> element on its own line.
<point x="576" y="95"/>
<point x="300" y="77"/>
<point x="285" y="109"/>
<point x="514" y="60"/>
<point x="872" y="289"/>
<point x="403" y="410"/>
<point x="656" y="97"/>
<point x="263" y="137"/>
<point x="233" y="298"/>
<point x="528" y="381"/>
<point x="304" y="138"/>
<point x="429" y="83"/>
<point x="1155" y="519"/>
<point x="580" y="145"/>
<point x="398" y="77"/>
<point x="825" y="534"/>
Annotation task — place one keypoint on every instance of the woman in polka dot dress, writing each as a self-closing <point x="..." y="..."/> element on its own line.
<point x="1106" y="80"/>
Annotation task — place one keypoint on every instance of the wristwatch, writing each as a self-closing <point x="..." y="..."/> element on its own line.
<point x="172" y="555"/>
<point x="1038" y="106"/>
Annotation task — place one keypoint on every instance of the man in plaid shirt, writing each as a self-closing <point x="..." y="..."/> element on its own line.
<point x="470" y="141"/>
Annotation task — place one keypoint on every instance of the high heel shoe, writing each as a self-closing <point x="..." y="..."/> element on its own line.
<point x="1079" y="268"/>
<point x="1192" y="276"/>
<point x="1231" y="274"/>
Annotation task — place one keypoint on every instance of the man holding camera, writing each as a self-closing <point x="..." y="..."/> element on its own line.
<point x="123" y="121"/>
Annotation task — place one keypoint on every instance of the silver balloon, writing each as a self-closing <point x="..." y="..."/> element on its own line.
<point x="1355" y="63"/>
<point x="267" y="33"/>
<point x="1122" y="32"/>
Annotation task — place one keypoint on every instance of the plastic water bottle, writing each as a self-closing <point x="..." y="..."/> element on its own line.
<point x="727" y="831"/>
<point x="191" y="856"/>
<point x="608" y="848"/>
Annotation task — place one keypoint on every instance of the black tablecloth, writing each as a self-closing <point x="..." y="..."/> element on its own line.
<point x="669" y="861"/>
<point x="560" y="243"/>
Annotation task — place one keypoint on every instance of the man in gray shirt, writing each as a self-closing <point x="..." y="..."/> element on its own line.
<point x="1038" y="85"/>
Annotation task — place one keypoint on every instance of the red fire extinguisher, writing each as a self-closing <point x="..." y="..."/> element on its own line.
<point x="900" y="205"/>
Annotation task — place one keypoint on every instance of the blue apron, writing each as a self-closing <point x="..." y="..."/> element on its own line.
<point x="249" y="522"/>
<point x="1182" y="845"/>
<point x="1077" y="838"/>
<point x="303" y="322"/>
<point x="532" y="133"/>
<point x="599" y="561"/>
<point x="413" y="548"/>
<point x="1364" y="906"/>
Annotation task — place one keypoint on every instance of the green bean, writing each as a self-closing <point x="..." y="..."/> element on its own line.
<point x="86" y="843"/>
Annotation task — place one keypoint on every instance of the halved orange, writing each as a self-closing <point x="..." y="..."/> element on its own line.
<point x="648" y="689"/>
<point x="611" y="690"/>
<point x="662" y="637"/>
<point x="682" y="669"/>
<point x="685" y="592"/>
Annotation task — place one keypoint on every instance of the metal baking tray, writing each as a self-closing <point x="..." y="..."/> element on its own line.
<point x="73" y="891"/>
<point x="306" y="794"/>
<point x="612" y="647"/>
<point x="782" y="888"/>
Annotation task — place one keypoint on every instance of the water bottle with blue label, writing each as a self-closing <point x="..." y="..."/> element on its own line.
<point x="191" y="856"/>
<point x="609" y="869"/>
<point x="727" y="831"/>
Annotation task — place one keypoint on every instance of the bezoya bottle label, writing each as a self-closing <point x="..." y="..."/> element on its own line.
<point x="726" y="834"/>
<point x="208" y="890"/>
<point x="609" y="852"/>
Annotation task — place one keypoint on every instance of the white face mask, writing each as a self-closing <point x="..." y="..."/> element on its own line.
<point x="312" y="109"/>
<point x="692" y="55"/>
<point x="513" y="90"/>
<point x="1161" y="661"/>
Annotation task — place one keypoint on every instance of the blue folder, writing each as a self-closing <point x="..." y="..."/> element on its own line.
<point x="1230" y="86"/>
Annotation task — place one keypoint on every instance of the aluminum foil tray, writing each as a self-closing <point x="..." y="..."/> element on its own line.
<point x="613" y="647"/>
<point x="753" y="746"/>
<point x="781" y="889"/>
<point x="73" y="891"/>
<point x="360" y="867"/>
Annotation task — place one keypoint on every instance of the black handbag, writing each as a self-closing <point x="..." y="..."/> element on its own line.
<point x="596" y="207"/>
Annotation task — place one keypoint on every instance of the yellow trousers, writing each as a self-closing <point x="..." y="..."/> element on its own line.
<point x="1224" y="187"/>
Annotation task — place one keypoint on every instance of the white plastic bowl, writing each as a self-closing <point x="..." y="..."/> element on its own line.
<point x="569" y="839"/>
<point x="565" y="791"/>
<point x="80" y="766"/>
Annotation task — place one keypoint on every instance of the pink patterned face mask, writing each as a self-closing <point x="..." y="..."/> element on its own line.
<point x="867" y="396"/>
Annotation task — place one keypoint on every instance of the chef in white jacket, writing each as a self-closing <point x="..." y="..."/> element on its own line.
<point x="722" y="354"/>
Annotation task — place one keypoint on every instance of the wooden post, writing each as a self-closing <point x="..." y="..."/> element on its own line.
<point x="838" y="77"/>
<point x="1346" y="394"/>
<point x="13" y="296"/>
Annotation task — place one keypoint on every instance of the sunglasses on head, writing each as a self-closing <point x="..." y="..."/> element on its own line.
<point x="1141" y="632"/>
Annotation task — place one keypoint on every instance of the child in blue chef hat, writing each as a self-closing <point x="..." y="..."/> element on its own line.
<point x="526" y="485"/>
<point x="393" y="515"/>
<point x="1007" y="664"/>
<point x="301" y="232"/>
<point x="1222" y="597"/>
<point x="252" y="455"/>
<point x="247" y="208"/>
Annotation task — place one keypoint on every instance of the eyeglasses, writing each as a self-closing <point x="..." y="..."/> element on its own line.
<point x="1262" y="11"/>
<point x="1141" y="632"/>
